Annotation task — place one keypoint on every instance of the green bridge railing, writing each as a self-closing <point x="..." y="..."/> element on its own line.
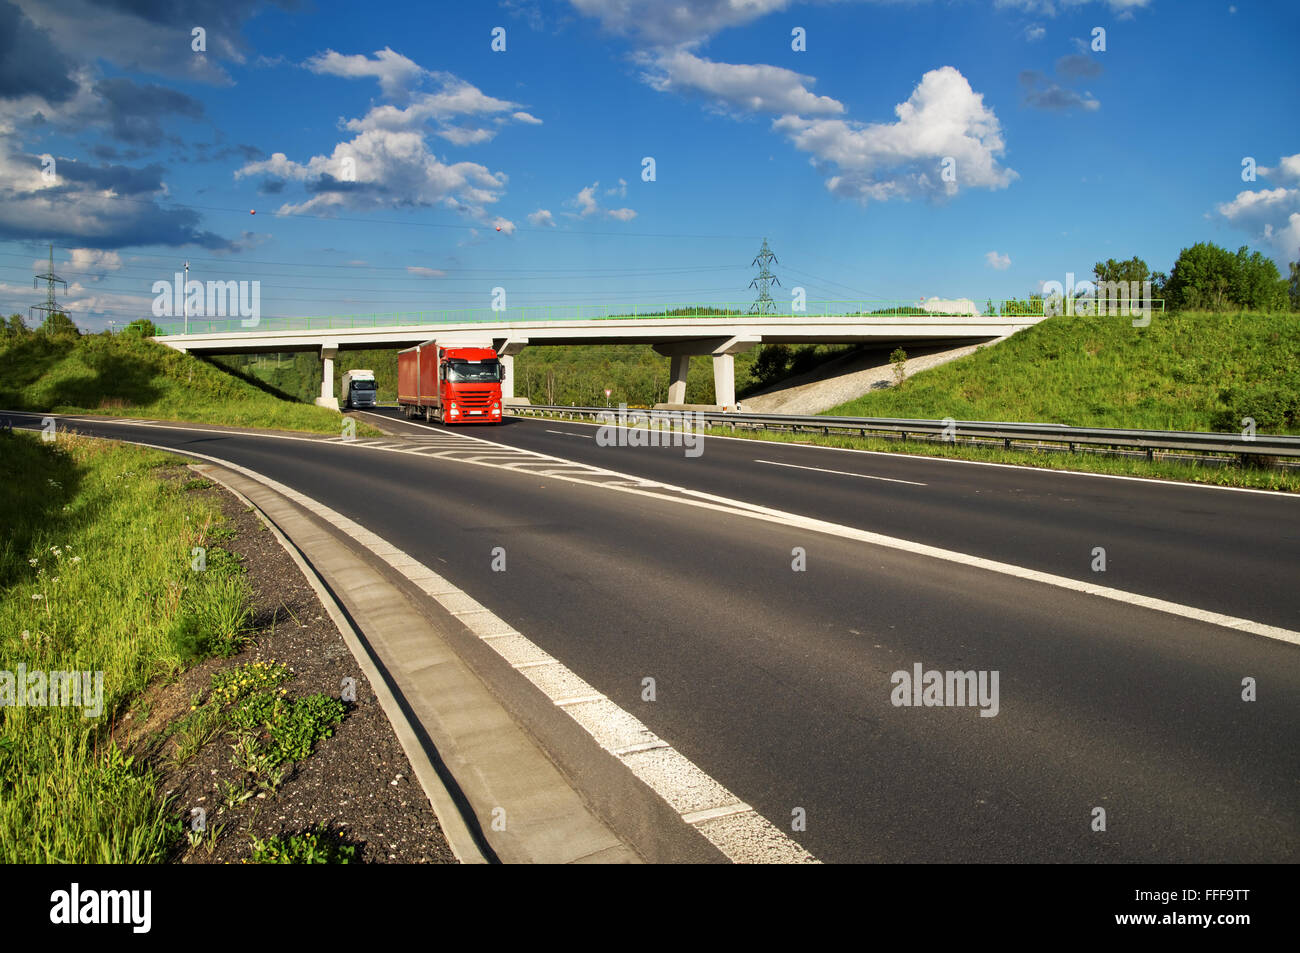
<point x="864" y="308"/>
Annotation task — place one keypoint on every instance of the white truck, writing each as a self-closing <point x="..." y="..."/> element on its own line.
<point x="359" y="389"/>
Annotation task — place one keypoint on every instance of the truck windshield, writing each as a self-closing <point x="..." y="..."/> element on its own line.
<point x="363" y="385"/>
<point x="462" y="372"/>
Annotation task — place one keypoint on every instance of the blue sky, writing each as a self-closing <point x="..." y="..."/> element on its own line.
<point x="914" y="148"/>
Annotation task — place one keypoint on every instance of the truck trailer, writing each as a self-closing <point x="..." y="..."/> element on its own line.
<point x="456" y="384"/>
<point x="359" y="389"/>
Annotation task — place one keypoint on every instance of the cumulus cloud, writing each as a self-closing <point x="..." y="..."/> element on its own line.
<point x="396" y="73"/>
<point x="622" y="214"/>
<point x="1035" y="32"/>
<point x="541" y="217"/>
<point x="747" y="88"/>
<point x="1270" y="216"/>
<point x="30" y="63"/>
<point x="1287" y="169"/>
<point x="134" y="111"/>
<point x="383" y="169"/>
<point x="457" y="111"/>
<point x="997" y="262"/>
<point x="943" y="124"/>
<point x="503" y="225"/>
<point x="422" y="272"/>
<point x="94" y="259"/>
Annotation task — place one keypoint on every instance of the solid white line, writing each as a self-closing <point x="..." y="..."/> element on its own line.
<point x="861" y="476"/>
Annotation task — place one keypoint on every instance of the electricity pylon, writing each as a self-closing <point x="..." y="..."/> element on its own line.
<point x="764" y="304"/>
<point x="51" y="279"/>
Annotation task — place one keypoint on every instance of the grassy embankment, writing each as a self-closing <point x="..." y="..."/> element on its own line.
<point x="96" y="576"/>
<point x="1188" y="371"/>
<point x="126" y="376"/>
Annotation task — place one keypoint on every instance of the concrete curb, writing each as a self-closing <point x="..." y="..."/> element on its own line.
<point x="475" y="756"/>
<point x="464" y="845"/>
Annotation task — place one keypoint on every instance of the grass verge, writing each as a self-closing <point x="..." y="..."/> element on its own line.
<point x="96" y="578"/>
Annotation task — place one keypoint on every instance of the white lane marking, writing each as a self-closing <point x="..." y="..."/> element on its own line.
<point x="687" y="497"/>
<point x="605" y="721"/>
<point x="978" y="463"/>
<point x="861" y="476"/>
<point x="566" y="433"/>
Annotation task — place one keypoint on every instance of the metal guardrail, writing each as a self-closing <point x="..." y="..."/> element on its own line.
<point x="951" y="430"/>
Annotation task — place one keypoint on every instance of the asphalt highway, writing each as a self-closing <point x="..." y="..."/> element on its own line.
<point x="781" y="682"/>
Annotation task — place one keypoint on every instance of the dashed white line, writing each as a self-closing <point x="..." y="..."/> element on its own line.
<point x="861" y="476"/>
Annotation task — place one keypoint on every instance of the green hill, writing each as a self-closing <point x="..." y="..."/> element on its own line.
<point x="1186" y="371"/>
<point x="128" y="376"/>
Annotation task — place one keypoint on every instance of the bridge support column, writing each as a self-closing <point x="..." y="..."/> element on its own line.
<point x="508" y="368"/>
<point x="327" y="398"/>
<point x="506" y="349"/>
<point x="724" y="380"/>
<point x="679" y="365"/>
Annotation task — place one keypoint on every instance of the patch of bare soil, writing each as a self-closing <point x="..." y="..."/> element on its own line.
<point x="356" y="785"/>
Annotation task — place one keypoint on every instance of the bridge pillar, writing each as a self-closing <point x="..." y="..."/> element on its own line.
<point x="724" y="380"/>
<point x="327" y="398"/>
<point x="506" y="349"/>
<point x="508" y="368"/>
<point x="680" y="364"/>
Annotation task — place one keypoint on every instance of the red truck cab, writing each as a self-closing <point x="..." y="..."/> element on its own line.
<point x="457" y="385"/>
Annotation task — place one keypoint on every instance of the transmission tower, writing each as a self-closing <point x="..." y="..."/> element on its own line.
<point x="764" y="304"/>
<point x="51" y="279"/>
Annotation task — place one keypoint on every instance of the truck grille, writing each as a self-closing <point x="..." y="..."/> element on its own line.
<point x="476" y="399"/>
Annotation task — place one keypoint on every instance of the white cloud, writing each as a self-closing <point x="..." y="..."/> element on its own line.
<point x="943" y="119"/>
<point x="541" y="217"/>
<point x="585" y="200"/>
<point x="389" y="170"/>
<point x="526" y="117"/>
<point x="749" y="88"/>
<point x="1287" y="169"/>
<point x="423" y="272"/>
<point x="997" y="262"/>
<point x="396" y="74"/>
<point x="1035" y="32"/>
<point x="587" y="204"/>
<point x="1271" y="216"/>
<point x="92" y="259"/>
<point x="503" y="225"/>
<point x="620" y="190"/>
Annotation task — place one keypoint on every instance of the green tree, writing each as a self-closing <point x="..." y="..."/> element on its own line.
<point x="15" y="327"/>
<point x="142" y="327"/>
<point x="1209" y="278"/>
<point x="1133" y="270"/>
<point x="58" y="324"/>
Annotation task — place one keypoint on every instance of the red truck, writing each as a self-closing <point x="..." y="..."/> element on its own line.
<point x="457" y="385"/>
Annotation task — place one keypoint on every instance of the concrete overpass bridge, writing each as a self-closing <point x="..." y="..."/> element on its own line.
<point x="678" y="337"/>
